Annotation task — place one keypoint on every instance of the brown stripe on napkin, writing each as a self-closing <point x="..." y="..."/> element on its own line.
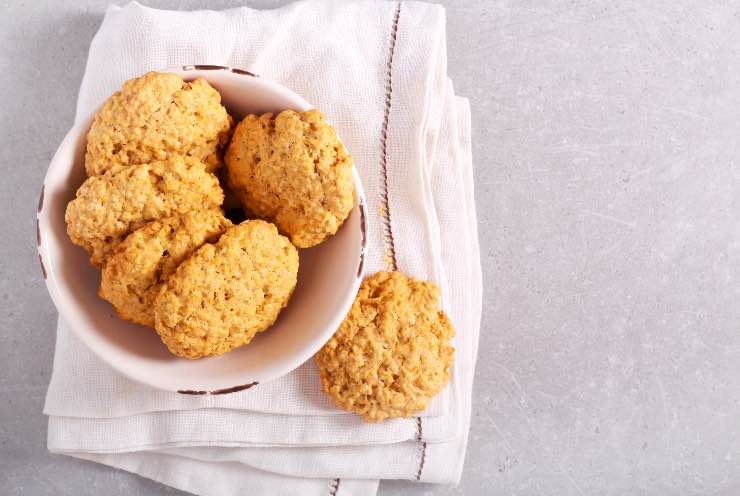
<point x="334" y="487"/>
<point x="422" y="459"/>
<point x="423" y="455"/>
<point x="390" y="247"/>
<point x="385" y="213"/>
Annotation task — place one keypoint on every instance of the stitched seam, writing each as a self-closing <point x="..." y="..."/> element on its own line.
<point x="423" y="455"/>
<point x="422" y="460"/>
<point x="390" y="247"/>
<point x="334" y="487"/>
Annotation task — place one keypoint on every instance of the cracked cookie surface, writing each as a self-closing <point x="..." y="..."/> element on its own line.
<point x="109" y="207"/>
<point x="133" y="276"/>
<point x="391" y="354"/>
<point x="293" y="170"/>
<point x="154" y="117"/>
<point x="227" y="292"/>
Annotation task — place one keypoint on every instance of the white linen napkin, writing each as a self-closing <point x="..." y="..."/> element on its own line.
<point x="378" y="71"/>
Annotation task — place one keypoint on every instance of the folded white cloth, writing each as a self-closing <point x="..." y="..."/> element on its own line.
<point x="378" y="72"/>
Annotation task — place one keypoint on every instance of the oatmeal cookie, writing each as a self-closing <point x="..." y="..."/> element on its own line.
<point x="227" y="292"/>
<point x="294" y="171"/>
<point x="154" y="117"/>
<point x="108" y="207"/>
<point x="391" y="355"/>
<point x="141" y="263"/>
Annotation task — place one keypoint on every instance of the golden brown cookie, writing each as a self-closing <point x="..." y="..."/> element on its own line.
<point x="154" y="117"/>
<point x="227" y="292"/>
<point x="391" y="355"/>
<point x="292" y="170"/>
<point x="108" y="207"/>
<point x="141" y="263"/>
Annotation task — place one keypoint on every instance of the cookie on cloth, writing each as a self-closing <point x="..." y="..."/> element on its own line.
<point x="293" y="170"/>
<point x="227" y="292"/>
<point x="109" y="207"/>
<point x="133" y="276"/>
<point x="391" y="354"/>
<point x="154" y="117"/>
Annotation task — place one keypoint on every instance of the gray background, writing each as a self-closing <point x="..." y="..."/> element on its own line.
<point x="605" y="142"/>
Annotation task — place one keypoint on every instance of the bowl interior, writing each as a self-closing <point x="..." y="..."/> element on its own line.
<point x="328" y="278"/>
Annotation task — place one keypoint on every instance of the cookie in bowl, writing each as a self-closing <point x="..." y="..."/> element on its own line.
<point x="109" y="207"/>
<point x="227" y="292"/>
<point x="391" y="354"/>
<point x="154" y="117"/>
<point x="140" y="265"/>
<point x="292" y="169"/>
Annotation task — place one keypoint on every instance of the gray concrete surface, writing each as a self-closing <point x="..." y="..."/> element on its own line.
<point x="608" y="185"/>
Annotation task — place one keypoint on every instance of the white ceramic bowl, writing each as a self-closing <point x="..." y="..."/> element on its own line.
<point x="328" y="278"/>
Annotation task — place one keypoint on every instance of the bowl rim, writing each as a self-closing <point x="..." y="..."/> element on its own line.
<point x="73" y="316"/>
